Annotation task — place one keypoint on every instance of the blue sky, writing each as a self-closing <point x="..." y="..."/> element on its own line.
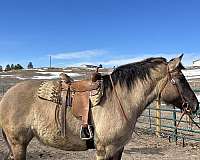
<point x="110" y="32"/>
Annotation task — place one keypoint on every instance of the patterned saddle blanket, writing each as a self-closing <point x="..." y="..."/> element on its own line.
<point x="49" y="90"/>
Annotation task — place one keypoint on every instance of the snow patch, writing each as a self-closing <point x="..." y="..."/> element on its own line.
<point x="44" y="77"/>
<point x="56" y="74"/>
<point x="67" y="70"/>
<point x="7" y="75"/>
<point x="198" y="97"/>
<point x="52" y="75"/>
<point x="21" y="78"/>
<point x="191" y="73"/>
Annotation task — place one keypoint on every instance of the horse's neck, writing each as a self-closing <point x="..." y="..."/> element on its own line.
<point x="118" y="122"/>
<point x="136" y="99"/>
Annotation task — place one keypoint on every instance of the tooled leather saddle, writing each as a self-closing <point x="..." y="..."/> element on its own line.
<point x="68" y="93"/>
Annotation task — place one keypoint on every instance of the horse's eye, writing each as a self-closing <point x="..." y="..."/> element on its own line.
<point x="181" y="78"/>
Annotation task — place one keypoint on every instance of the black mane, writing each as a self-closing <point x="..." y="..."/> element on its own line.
<point x="127" y="74"/>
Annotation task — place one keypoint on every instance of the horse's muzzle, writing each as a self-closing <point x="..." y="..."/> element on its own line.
<point x="196" y="108"/>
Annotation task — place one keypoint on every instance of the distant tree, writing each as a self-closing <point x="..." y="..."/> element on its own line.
<point x="8" y="68"/>
<point x="100" y="66"/>
<point x="18" y="66"/>
<point x="1" y="68"/>
<point x="30" y="65"/>
<point x="12" y="66"/>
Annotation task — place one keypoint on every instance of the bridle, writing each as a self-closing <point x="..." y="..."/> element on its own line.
<point x="185" y="105"/>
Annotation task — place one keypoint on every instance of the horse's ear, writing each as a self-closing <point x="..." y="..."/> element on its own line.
<point x="174" y="63"/>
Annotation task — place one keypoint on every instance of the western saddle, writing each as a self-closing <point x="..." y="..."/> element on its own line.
<point x="76" y="95"/>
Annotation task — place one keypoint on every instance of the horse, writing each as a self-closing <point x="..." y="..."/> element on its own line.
<point x="128" y="90"/>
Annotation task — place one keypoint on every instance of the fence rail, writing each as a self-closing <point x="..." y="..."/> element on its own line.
<point x="163" y="121"/>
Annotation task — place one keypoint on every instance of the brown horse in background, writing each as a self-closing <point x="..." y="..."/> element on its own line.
<point x="23" y="115"/>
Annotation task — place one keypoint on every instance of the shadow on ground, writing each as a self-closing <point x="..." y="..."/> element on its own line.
<point x="145" y="150"/>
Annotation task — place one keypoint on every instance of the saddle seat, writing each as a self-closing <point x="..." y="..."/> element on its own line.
<point x="81" y="91"/>
<point x="81" y="86"/>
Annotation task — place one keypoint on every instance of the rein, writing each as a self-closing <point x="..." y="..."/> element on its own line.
<point x="196" y="124"/>
<point x="185" y="112"/>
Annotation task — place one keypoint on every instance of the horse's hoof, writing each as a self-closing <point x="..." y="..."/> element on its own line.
<point x="8" y="157"/>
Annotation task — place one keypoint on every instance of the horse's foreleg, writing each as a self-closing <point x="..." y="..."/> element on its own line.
<point x="101" y="154"/>
<point x="19" y="152"/>
<point x="117" y="155"/>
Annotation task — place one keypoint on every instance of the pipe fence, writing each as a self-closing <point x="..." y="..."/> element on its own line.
<point x="163" y="122"/>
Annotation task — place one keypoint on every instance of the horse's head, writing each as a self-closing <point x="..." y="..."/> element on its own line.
<point x="176" y="90"/>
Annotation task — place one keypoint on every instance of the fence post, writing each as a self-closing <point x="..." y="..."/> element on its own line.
<point x="158" y="119"/>
<point x="174" y="136"/>
<point x="149" y="117"/>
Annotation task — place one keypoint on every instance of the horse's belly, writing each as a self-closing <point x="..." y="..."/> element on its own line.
<point x="52" y="138"/>
<point x="47" y="132"/>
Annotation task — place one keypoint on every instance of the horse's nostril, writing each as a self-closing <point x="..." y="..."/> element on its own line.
<point x="197" y="106"/>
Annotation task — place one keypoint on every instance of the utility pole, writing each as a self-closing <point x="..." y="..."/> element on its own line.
<point x="50" y="62"/>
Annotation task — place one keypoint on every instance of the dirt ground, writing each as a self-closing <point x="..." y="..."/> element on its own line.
<point x="141" y="147"/>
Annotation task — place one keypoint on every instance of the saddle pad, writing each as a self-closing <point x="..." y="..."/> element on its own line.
<point x="95" y="95"/>
<point x="48" y="90"/>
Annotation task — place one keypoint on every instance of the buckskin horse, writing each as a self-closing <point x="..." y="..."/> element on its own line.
<point x="127" y="92"/>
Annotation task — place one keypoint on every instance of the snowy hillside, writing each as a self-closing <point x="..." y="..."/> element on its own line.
<point x="192" y="73"/>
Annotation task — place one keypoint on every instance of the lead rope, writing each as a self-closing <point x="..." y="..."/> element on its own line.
<point x="120" y="104"/>
<point x="194" y="121"/>
<point x="121" y="107"/>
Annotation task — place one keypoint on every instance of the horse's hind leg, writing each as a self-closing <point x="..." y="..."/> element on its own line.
<point x="9" y="155"/>
<point x="18" y="144"/>
<point x="19" y="151"/>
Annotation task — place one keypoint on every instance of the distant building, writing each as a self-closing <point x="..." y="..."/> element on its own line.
<point x="196" y="63"/>
<point x="88" y="66"/>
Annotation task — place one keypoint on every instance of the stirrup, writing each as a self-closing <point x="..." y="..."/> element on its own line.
<point x="89" y="130"/>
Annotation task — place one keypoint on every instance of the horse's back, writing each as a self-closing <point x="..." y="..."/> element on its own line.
<point x="15" y="106"/>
